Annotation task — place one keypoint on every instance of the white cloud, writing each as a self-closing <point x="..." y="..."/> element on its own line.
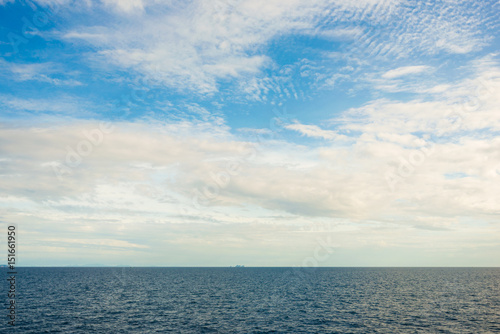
<point x="194" y="46"/>
<point x="42" y="72"/>
<point x="342" y="33"/>
<point x="175" y="160"/>
<point x="406" y="70"/>
<point x="314" y="131"/>
<point x="127" y="6"/>
<point x="111" y="243"/>
<point x="60" y="105"/>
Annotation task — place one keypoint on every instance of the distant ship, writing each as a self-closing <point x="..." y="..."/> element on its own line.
<point x="238" y="266"/>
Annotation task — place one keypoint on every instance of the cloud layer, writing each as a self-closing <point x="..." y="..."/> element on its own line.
<point x="414" y="165"/>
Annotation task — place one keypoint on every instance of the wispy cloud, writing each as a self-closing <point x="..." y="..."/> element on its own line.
<point x="349" y="33"/>
<point x="42" y="72"/>
<point x="314" y="131"/>
<point x="406" y="70"/>
<point x="63" y="105"/>
<point x="126" y="6"/>
<point x="226" y="41"/>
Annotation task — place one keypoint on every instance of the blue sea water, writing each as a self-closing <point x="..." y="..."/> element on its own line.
<point x="256" y="300"/>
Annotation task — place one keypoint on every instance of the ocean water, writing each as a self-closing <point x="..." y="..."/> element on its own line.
<point x="256" y="300"/>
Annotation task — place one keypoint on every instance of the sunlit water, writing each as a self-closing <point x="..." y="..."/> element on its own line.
<point x="256" y="300"/>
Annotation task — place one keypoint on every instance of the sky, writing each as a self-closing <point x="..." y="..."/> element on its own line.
<point x="251" y="132"/>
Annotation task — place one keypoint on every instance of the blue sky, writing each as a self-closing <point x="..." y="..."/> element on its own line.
<point x="265" y="133"/>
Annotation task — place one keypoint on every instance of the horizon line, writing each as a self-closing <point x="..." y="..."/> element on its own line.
<point x="293" y="267"/>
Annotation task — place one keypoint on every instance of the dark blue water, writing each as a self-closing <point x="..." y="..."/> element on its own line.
<point x="256" y="300"/>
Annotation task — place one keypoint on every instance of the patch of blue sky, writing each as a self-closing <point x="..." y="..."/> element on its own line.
<point x="458" y="175"/>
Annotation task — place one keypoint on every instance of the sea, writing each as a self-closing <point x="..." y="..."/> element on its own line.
<point x="255" y="300"/>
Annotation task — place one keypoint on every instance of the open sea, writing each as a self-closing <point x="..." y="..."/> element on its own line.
<point x="255" y="300"/>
